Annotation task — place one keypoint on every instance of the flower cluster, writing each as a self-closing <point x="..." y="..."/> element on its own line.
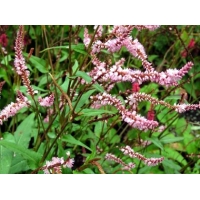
<point x="54" y="166"/>
<point x="19" y="62"/>
<point x="132" y="118"/>
<point x="11" y="109"/>
<point x="128" y="151"/>
<point x="112" y="157"/>
<point x="137" y="97"/>
<point x="116" y="74"/>
<point x="47" y="101"/>
<point x="147" y="161"/>
<point x="144" y="143"/>
<point x="108" y="75"/>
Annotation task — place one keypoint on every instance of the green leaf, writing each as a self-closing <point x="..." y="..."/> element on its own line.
<point x="80" y="48"/>
<point x="23" y="133"/>
<point x="39" y="63"/>
<point x="156" y="141"/>
<point x="173" y="154"/>
<point x="184" y="36"/>
<point x="18" y="165"/>
<point x="5" y="160"/>
<point x="23" y="89"/>
<point x="187" y="86"/>
<point x="51" y="135"/>
<point x="152" y="57"/>
<point x="94" y="112"/>
<point x="171" y="164"/>
<point x="39" y="88"/>
<point x="57" y="47"/>
<point x="6" y="155"/>
<point x="85" y="76"/>
<point x="98" y="87"/>
<point x="98" y="128"/>
<point x="84" y="99"/>
<point x="4" y="75"/>
<point x="64" y="56"/>
<point x="191" y="146"/>
<point x="75" y="66"/>
<point x="64" y="86"/>
<point x="88" y="171"/>
<point x="173" y="97"/>
<point x="115" y="139"/>
<point x="26" y="153"/>
<point x="72" y="140"/>
<point x="91" y="156"/>
<point x="166" y="140"/>
<point x="6" y="60"/>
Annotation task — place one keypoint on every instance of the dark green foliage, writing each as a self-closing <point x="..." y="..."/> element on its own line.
<point x="58" y="63"/>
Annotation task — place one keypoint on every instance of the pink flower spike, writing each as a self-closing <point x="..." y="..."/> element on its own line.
<point x="129" y="166"/>
<point x="47" y="101"/>
<point x="12" y="109"/>
<point x="153" y="161"/>
<point x="86" y="39"/>
<point x="112" y="157"/>
<point x="69" y="163"/>
<point x="19" y="62"/>
<point x="99" y="31"/>
<point x="150" y="27"/>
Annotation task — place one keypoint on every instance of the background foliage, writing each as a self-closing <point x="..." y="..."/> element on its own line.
<point x="88" y="134"/>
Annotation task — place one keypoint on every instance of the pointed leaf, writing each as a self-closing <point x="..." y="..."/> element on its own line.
<point x="23" y="133"/>
<point x="85" y="76"/>
<point x="156" y="141"/>
<point x="72" y="140"/>
<point x="39" y="63"/>
<point x="5" y="160"/>
<point x="95" y="112"/>
<point x="19" y="164"/>
<point x="26" y="153"/>
<point x="166" y="140"/>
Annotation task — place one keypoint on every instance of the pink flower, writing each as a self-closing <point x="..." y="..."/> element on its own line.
<point x="69" y="163"/>
<point x="135" y="48"/>
<point x="86" y="39"/>
<point x="153" y="161"/>
<point x="11" y="109"/>
<point x="114" y="45"/>
<point x="97" y="46"/>
<point x="19" y="62"/>
<point x="99" y="31"/>
<point x="112" y="157"/>
<point x="131" y="117"/>
<point x="47" y="101"/>
<point x="147" y="161"/>
<point x="150" y="27"/>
